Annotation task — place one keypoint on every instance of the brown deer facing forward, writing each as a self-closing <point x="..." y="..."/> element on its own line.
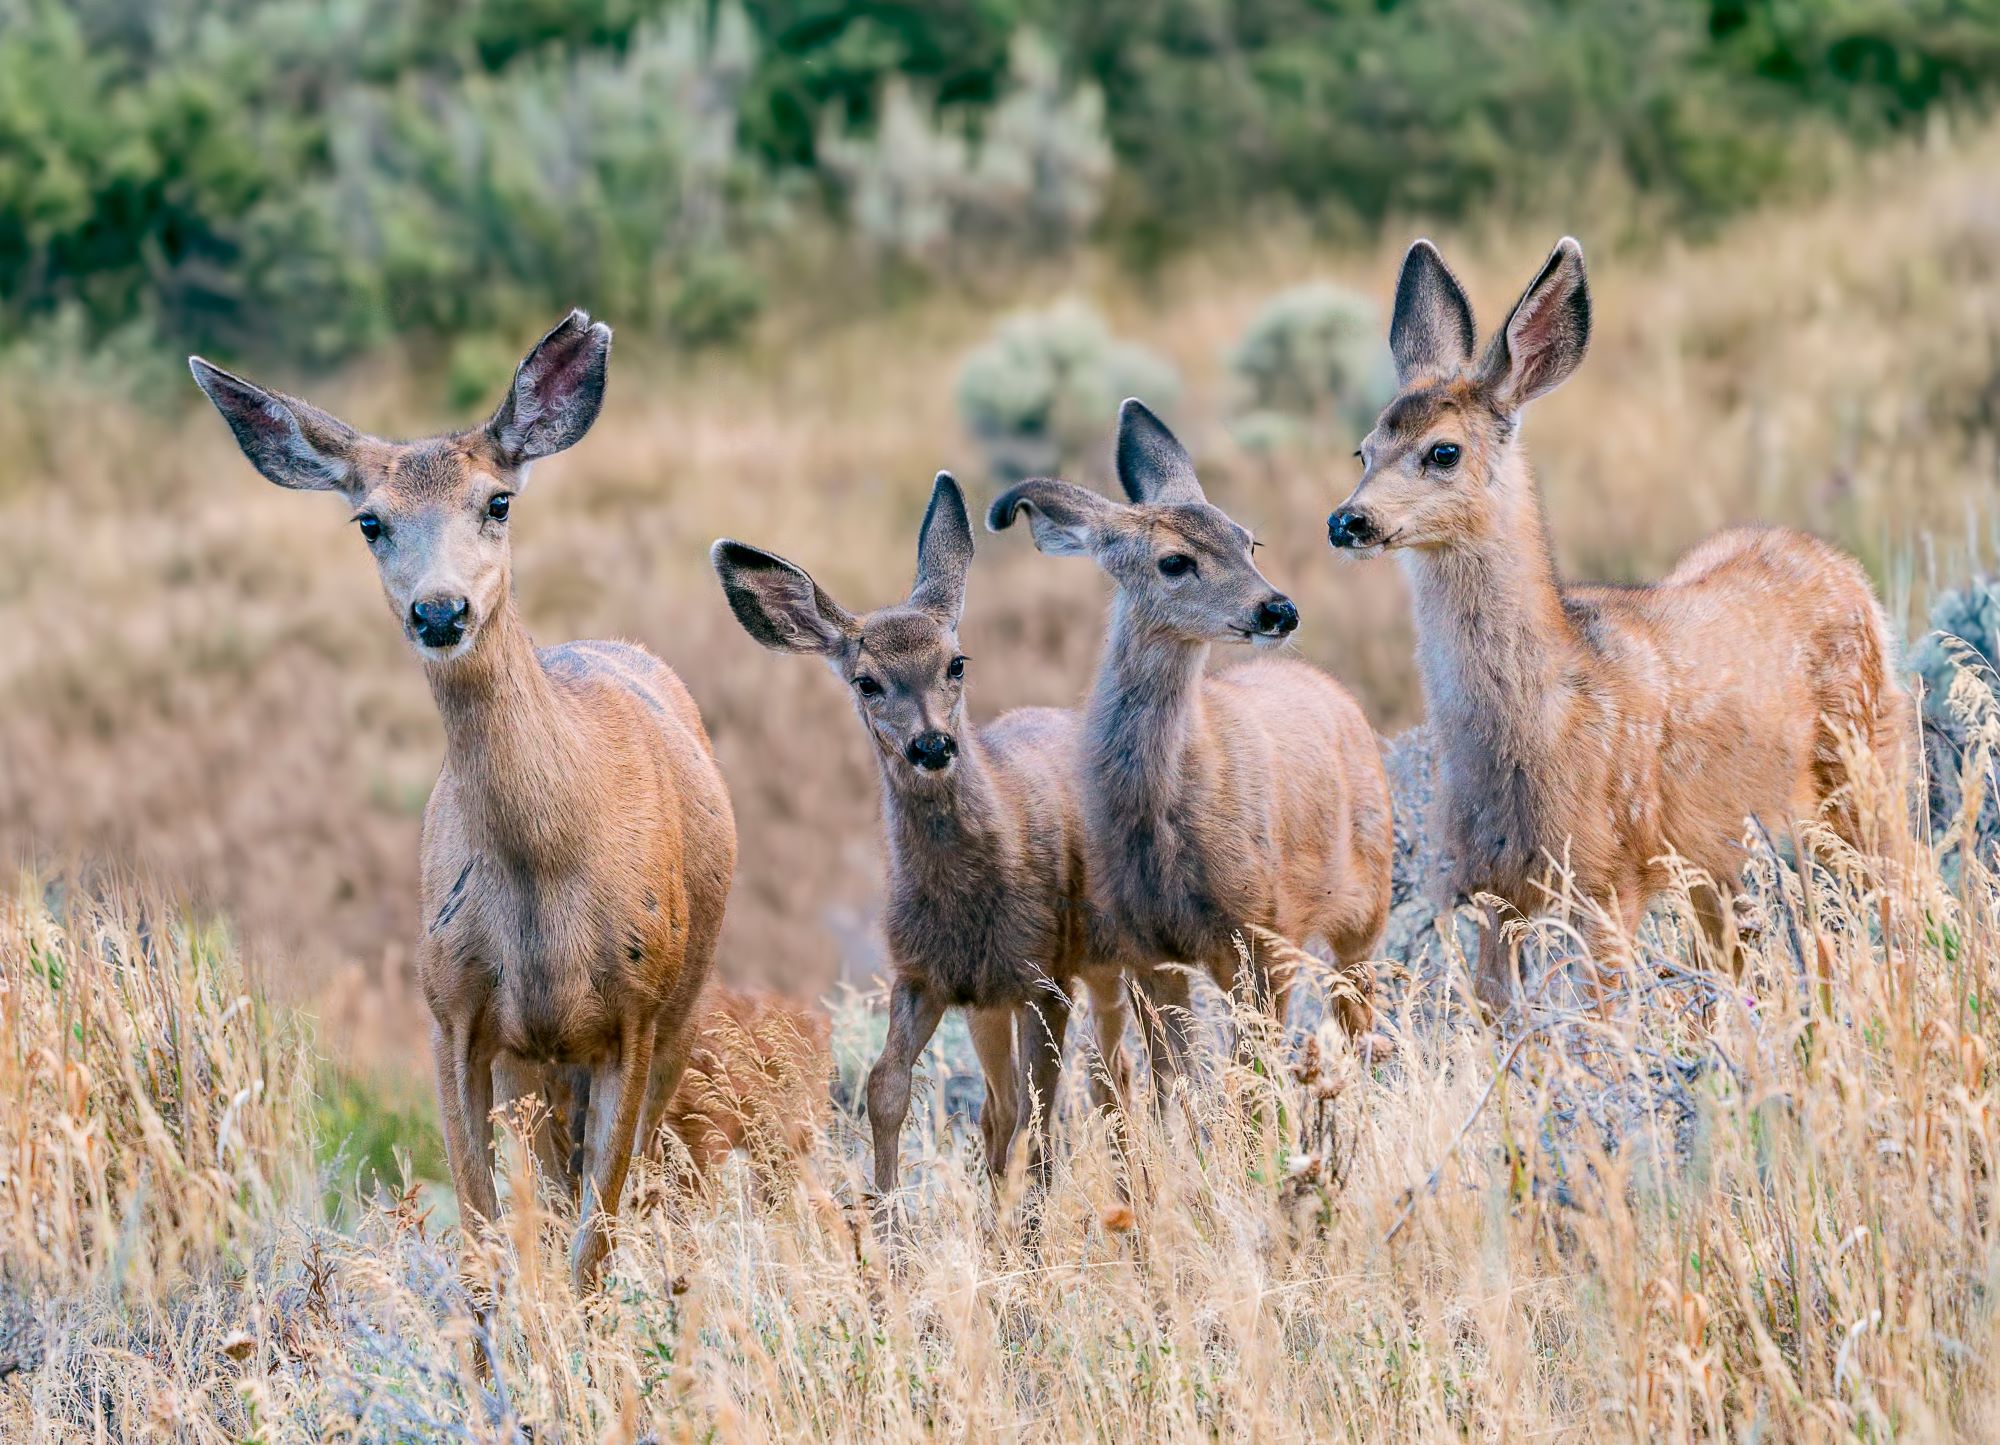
<point x="578" y="847"/>
<point x="1597" y="726"/>
<point x="1254" y="797"/>
<point x="987" y="894"/>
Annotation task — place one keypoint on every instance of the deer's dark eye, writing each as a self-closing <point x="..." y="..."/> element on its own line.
<point x="497" y="508"/>
<point x="1176" y="564"/>
<point x="371" y="528"/>
<point x="956" y="669"/>
<point x="867" y="686"/>
<point x="1443" y="455"/>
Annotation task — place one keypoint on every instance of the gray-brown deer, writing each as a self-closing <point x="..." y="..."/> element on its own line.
<point x="578" y="848"/>
<point x="1252" y="798"/>
<point x="1591" y="727"/>
<point x="988" y="900"/>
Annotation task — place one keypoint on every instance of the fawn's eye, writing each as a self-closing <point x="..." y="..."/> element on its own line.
<point x="956" y="668"/>
<point x="867" y="686"/>
<point x="1176" y="564"/>
<point x="497" y="508"/>
<point x="371" y="527"/>
<point x="1443" y="455"/>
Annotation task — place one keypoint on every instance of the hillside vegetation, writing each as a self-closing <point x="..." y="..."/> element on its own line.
<point x="197" y="672"/>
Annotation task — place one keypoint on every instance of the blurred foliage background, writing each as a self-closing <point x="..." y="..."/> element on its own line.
<point x="308" y="179"/>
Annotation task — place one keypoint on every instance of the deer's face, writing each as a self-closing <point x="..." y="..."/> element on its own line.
<point x="433" y="513"/>
<point x="1183" y="568"/>
<point x="901" y="664"/>
<point x="1187" y="570"/>
<point x="435" y="520"/>
<point x="907" y="678"/>
<point x="1428" y="472"/>
<point x="1438" y="469"/>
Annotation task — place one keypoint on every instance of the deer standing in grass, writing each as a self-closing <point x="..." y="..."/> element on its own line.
<point x="988" y="902"/>
<point x="1598" y="728"/>
<point x="578" y="847"/>
<point x="1252" y="798"/>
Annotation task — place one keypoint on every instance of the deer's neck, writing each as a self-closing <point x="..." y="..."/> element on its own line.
<point x="1144" y="719"/>
<point x="938" y="828"/>
<point x="513" y="747"/>
<point x="1493" y="640"/>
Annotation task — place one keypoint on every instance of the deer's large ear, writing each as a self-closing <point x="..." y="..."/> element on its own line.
<point x="1153" y="466"/>
<point x="1431" y="332"/>
<point x="1546" y="333"/>
<point x="557" y="391"/>
<point x="944" y="552"/>
<point x="778" y="603"/>
<point x="294" y="444"/>
<point x="1066" y="520"/>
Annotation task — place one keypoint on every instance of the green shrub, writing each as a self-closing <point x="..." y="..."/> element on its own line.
<point x="1041" y="395"/>
<point x="1311" y="364"/>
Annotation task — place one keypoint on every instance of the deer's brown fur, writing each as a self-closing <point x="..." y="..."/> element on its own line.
<point x="1255" y="797"/>
<point x="987" y="904"/>
<point x="579" y="844"/>
<point x="1595" y="727"/>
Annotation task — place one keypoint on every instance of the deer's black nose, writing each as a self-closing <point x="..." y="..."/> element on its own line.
<point x="932" y="750"/>
<point x="439" y="621"/>
<point x="1350" y="527"/>
<point x="1277" y="614"/>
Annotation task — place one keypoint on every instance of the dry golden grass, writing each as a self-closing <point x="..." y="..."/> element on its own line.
<point x="1757" y="1205"/>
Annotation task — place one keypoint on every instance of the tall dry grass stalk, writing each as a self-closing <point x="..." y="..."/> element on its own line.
<point x="1755" y="1204"/>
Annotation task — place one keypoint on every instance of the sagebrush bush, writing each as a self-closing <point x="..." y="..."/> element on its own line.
<point x="1042" y="393"/>
<point x="1033" y="176"/>
<point x="1311" y="363"/>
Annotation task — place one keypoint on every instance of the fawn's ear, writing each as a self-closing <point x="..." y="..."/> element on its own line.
<point x="1546" y="332"/>
<point x="557" y="391"/>
<point x="778" y="603"/>
<point x="1066" y="520"/>
<point x="944" y="552"/>
<point x="1153" y="466"/>
<point x="293" y="443"/>
<point x="1431" y="334"/>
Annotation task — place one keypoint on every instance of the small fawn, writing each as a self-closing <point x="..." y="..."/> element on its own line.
<point x="1255" y="796"/>
<point x="1598" y="728"/>
<point x="987" y="905"/>
<point x="578" y="848"/>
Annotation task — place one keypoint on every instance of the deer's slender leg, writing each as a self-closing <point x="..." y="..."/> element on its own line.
<point x="1044" y="1029"/>
<point x="1164" y="1010"/>
<point x="914" y="1012"/>
<point x="1000" y="1116"/>
<point x="1111" y="1072"/>
<point x="465" y="1105"/>
<point x="617" y="1096"/>
<point x="514" y="1080"/>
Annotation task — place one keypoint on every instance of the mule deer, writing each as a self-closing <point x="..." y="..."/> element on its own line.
<point x="1594" y="727"/>
<point x="987" y="896"/>
<point x="578" y="847"/>
<point x="1252" y="798"/>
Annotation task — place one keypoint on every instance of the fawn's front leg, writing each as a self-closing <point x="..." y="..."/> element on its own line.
<point x="914" y="1012"/>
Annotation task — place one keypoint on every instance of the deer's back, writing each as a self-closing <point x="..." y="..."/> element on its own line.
<point x="1723" y="691"/>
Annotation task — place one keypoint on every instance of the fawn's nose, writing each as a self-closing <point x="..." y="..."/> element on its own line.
<point x="1350" y="527"/>
<point x="932" y="750"/>
<point x="439" y="621"/>
<point x="1277" y="615"/>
